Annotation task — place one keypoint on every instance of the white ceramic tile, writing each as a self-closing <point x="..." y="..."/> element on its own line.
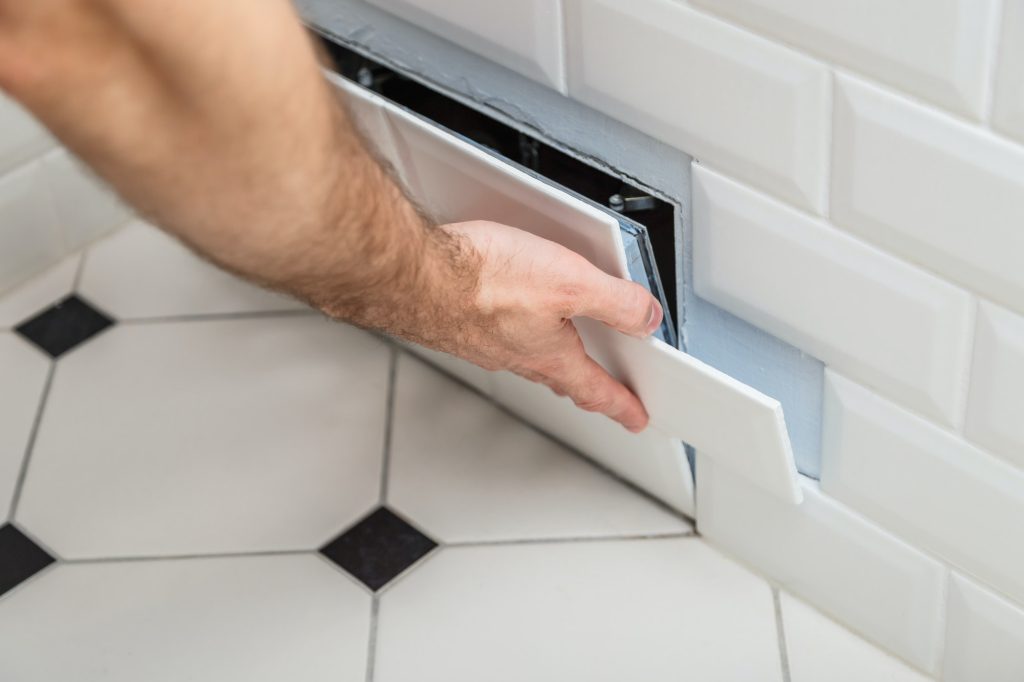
<point x="213" y="436"/>
<point x="923" y="483"/>
<point x="465" y="371"/>
<point x="596" y="611"/>
<point x="994" y="408"/>
<point x="141" y="272"/>
<point x="23" y="372"/>
<point x="38" y="293"/>
<point x="30" y="239"/>
<point x="984" y="636"/>
<point x="252" y="618"/>
<point x="873" y="583"/>
<point x="685" y="398"/>
<point x="938" y="51"/>
<point x="367" y="110"/>
<point x="819" y="649"/>
<point x="722" y="95"/>
<point x="86" y="207"/>
<point x="524" y="35"/>
<point x="464" y="470"/>
<point x="1008" y="106"/>
<point x="651" y="460"/>
<point x="456" y="181"/>
<point x="21" y="137"/>
<point x="891" y="325"/>
<point x="930" y="189"/>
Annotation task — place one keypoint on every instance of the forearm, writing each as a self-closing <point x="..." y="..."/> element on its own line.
<point x="213" y="120"/>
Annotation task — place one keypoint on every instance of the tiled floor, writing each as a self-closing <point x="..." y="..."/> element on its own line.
<point x="210" y="483"/>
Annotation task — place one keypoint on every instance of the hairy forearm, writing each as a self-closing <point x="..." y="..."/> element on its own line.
<point x="212" y="118"/>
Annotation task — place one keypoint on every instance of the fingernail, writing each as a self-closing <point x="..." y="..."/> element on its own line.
<point x="654" y="319"/>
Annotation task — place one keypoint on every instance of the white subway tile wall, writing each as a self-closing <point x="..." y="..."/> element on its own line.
<point x="935" y="50"/>
<point x="984" y="636"/>
<point x="928" y="486"/>
<point x="995" y="409"/>
<point x="50" y="205"/>
<point x="725" y="96"/>
<point x="1008" y="109"/>
<point x="885" y="322"/>
<point x="525" y="36"/>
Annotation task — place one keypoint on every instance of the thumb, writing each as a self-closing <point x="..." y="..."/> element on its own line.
<point x="620" y="304"/>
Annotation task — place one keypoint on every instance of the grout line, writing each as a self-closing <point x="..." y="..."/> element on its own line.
<point x="385" y="462"/>
<point x="994" y="39"/>
<point x="371" y="653"/>
<point x="780" y="629"/>
<point x="19" y="483"/>
<point x="186" y="557"/>
<point x="568" y="540"/>
<point x="212" y="317"/>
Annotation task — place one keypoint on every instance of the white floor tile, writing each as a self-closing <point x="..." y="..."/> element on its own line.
<point x="38" y="293"/>
<point x="595" y="611"/>
<point x="142" y="272"/>
<point x="463" y="469"/>
<point x="23" y="371"/>
<point x="210" y="436"/>
<point x="819" y="649"/>
<point x="254" y="619"/>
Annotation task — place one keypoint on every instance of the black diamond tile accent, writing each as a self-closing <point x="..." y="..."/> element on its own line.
<point x="64" y="325"/>
<point x="378" y="548"/>
<point x="20" y="558"/>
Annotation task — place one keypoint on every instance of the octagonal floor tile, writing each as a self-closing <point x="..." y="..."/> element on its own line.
<point x="206" y="437"/>
<point x="465" y="470"/>
<point x="256" y="619"/>
<point x="23" y="371"/>
<point x="141" y="272"/>
<point x="669" y="609"/>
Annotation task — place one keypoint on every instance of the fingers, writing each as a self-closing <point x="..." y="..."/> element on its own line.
<point x="620" y="304"/>
<point x="577" y="376"/>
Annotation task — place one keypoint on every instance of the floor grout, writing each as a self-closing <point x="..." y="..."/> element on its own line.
<point x="213" y="317"/>
<point x="568" y="540"/>
<point x="19" y="482"/>
<point x="187" y="557"/>
<point x="371" y="653"/>
<point x="389" y="417"/>
<point x="780" y="629"/>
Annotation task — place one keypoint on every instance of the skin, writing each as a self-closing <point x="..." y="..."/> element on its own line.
<point x="214" y="121"/>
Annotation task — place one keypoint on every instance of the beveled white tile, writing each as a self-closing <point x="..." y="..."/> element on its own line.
<point x="23" y="371"/>
<point x="875" y="584"/>
<point x="984" y="635"/>
<point x="141" y="272"/>
<point x="456" y="181"/>
<point x="938" y="51"/>
<point x="652" y="460"/>
<point x="849" y="304"/>
<point x="523" y="35"/>
<point x="22" y="138"/>
<point x="925" y="484"/>
<point x="367" y="109"/>
<point x="820" y="649"/>
<point x="30" y="239"/>
<point x="86" y="206"/>
<point x="725" y="96"/>
<point x="214" y="436"/>
<point x="930" y="189"/>
<point x="38" y="293"/>
<point x="600" y="611"/>
<point x="244" y="618"/>
<point x="464" y="470"/>
<point x="1008" y="104"/>
<point x="994" y="407"/>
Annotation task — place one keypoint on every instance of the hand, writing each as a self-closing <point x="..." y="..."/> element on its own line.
<point x="529" y="290"/>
